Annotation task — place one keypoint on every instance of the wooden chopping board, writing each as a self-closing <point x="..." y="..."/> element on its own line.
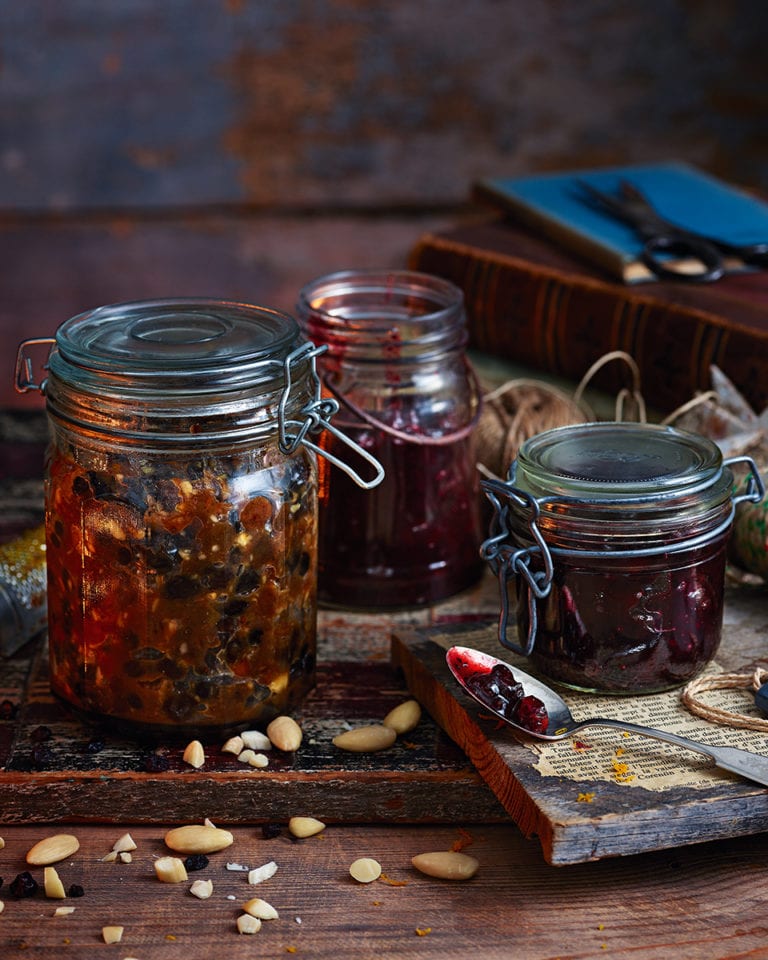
<point x="575" y="821"/>
<point x="82" y="773"/>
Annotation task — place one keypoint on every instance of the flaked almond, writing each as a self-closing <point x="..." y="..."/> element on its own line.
<point x="262" y="873"/>
<point x="285" y="734"/>
<point x="170" y="870"/>
<point x="198" y="838"/>
<point x="248" y="924"/>
<point x="256" y="740"/>
<point x="112" y="934"/>
<point x="125" y="856"/>
<point x="233" y="745"/>
<point x="403" y="718"/>
<point x="366" y="739"/>
<point x="54" y="888"/>
<point x="110" y="857"/>
<point x="52" y="849"/>
<point x="202" y="889"/>
<point x="258" y="760"/>
<point x="446" y="865"/>
<point x="302" y="827"/>
<point x="194" y="754"/>
<point x="257" y="907"/>
<point x="126" y="843"/>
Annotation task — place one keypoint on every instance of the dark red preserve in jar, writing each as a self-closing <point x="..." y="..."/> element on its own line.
<point x="181" y="513"/>
<point x="610" y="543"/>
<point x="397" y="366"/>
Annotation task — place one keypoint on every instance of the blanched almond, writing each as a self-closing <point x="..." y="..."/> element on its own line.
<point x="233" y="745"/>
<point x="255" y="740"/>
<point x="52" y="849"/>
<point x="305" y="826"/>
<point x="285" y="734"/>
<point x="202" y="889"/>
<point x="366" y="739"/>
<point x="125" y="843"/>
<point x="446" y="865"/>
<point x="403" y="718"/>
<point x="197" y="838"/>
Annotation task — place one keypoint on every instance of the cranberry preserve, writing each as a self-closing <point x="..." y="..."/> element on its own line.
<point x="181" y="514"/>
<point x="611" y="539"/>
<point x="396" y="364"/>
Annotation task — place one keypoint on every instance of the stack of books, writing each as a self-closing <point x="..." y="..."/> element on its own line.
<point x="553" y="285"/>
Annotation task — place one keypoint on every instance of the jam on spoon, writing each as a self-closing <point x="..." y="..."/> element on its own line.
<point x="473" y="670"/>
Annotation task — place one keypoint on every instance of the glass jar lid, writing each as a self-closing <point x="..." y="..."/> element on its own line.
<point x="179" y="346"/>
<point x="617" y="461"/>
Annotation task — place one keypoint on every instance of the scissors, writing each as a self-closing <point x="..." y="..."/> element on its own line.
<point x="665" y="242"/>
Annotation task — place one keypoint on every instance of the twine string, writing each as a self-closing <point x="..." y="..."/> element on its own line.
<point x="725" y="681"/>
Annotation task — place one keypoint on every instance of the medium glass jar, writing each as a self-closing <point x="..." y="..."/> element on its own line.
<point x="397" y="365"/>
<point x="610" y="540"/>
<point x="181" y="513"/>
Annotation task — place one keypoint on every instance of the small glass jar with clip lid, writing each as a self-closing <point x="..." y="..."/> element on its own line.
<point x="181" y="512"/>
<point x="396" y="363"/>
<point x="609" y="541"/>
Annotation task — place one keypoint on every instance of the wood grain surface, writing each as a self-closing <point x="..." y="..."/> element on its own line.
<point x="700" y="903"/>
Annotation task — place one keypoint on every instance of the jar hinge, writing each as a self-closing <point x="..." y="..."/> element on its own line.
<point x="507" y="562"/>
<point x="755" y="488"/>
<point x="318" y="412"/>
<point x="24" y="377"/>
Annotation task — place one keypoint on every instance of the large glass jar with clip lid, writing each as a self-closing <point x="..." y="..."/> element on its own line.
<point x="181" y="512"/>
<point x="396" y="364"/>
<point x="609" y="541"/>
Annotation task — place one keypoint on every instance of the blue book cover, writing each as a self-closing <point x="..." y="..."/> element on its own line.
<point x="554" y="204"/>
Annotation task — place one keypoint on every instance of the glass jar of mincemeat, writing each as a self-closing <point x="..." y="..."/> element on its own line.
<point x="609" y="541"/>
<point x="181" y="512"/>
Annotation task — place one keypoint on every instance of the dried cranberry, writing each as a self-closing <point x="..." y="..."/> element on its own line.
<point x="155" y="763"/>
<point x="271" y="830"/>
<point x="75" y="890"/>
<point x="531" y="713"/>
<point x="40" y="734"/>
<point x="24" y="885"/>
<point x="196" y="861"/>
<point x="8" y="710"/>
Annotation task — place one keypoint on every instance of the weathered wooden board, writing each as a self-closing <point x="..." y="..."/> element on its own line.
<point x="83" y="773"/>
<point x="617" y="821"/>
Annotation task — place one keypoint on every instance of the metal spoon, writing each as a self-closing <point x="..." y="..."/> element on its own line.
<point x="464" y="662"/>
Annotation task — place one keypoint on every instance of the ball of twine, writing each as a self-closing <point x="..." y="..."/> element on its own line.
<point x="515" y="411"/>
<point x="691" y="698"/>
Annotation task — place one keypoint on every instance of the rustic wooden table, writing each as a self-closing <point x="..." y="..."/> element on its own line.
<point x="705" y="900"/>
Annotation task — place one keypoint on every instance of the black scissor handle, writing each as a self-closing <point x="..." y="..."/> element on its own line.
<point x="658" y="250"/>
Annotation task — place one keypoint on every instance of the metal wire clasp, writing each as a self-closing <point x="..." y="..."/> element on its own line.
<point x="317" y="415"/>
<point x="24" y="377"/>
<point x="507" y="561"/>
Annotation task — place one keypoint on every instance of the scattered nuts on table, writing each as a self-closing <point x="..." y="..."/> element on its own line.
<point x="248" y="924"/>
<point x="259" y="908"/>
<point x="262" y="873"/>
<point x="124" y="844"/>
<point x="54" y="888"/>
<point x="303" y="827"/>
<point x="112" y="934"/>
<point x="446" y="865"/>
<point x="233" y="745"/>
<point x="365" y="870"/>
<point x="52" y="849"/>
<point x="202" y="889"/>
<point x="256" y="740"/>
<point x="194" y="754"/>
<point x="170" y="870"/>
<point x="285" y="734"/>
<point x="366" y="739"/>
<point x="198" y="838"/>
<point x="403" y="718"/>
